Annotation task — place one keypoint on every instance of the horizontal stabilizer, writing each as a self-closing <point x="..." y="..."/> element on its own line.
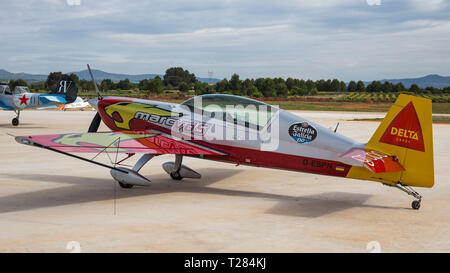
<point x="50" y="98"/>
<point x="374" y="161"/>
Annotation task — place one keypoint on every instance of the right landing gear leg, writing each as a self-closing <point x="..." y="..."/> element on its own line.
<point x="15" y="121"/>
<point x="178" y="171"/>
<point x="175" y="174"/>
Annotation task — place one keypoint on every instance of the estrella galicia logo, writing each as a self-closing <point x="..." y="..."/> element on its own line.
<point x="302" y="132"/>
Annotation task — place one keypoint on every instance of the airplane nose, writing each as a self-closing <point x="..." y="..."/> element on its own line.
<point x="93" y="103"/>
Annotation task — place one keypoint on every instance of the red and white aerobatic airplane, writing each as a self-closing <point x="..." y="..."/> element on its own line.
<point x="244" y="131"/>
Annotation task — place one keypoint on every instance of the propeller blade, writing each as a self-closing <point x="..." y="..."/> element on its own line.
<point x="95" y="84"/>
<point x="95" y="123"/>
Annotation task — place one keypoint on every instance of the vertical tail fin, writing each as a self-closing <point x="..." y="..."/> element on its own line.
<point x="405" y="132"/>
<point x="67" y="87"/>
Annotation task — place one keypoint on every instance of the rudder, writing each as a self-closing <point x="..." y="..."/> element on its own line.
<point x="405" y="132"/>
<point x="66" y="86"/>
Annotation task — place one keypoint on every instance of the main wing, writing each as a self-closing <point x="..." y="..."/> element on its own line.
<point x="3" y="106"/>
<point x="117" y="142"/>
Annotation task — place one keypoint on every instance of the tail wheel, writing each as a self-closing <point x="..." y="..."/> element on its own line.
<point x="410" y="191"/>
<point x="415" y="205"/>
<point x="176" y="176"/>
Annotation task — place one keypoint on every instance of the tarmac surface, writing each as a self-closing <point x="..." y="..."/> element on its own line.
<point x="53" y="203"/>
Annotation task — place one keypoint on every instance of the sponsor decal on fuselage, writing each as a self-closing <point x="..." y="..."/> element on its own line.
<point x="302" y="132"/>
<point x="155" y="118"/>
<point x="123" y="113"/>
<point x="197" y="128"/>
<point x="179" y="126"/>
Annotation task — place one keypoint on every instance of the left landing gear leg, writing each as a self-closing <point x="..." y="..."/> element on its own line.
<point x="15" y="121"/>
<point x="127" y="178"/>
<point x="142" y="161"/>
<point x="410" y="191"/>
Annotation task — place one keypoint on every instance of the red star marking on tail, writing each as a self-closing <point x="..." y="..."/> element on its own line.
<point x="23" y="100"/>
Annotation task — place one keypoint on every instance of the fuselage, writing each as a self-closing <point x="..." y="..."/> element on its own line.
<point x="29" y="100"/>
<point x="281" y="140"/>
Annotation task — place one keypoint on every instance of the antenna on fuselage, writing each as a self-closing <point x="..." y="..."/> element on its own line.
<point x="337" y="125"/>
<point x="99" y="96"/>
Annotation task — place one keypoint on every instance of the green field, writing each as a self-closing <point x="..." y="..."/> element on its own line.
<point x="438" y="107"/>
<point x="325" y="101"/>
<point x="389" y="97"/>
<point x="331" y="106"/>
<point x="436" y="119"/>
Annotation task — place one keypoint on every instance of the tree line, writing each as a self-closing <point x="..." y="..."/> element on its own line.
<point x="177" y="78"/>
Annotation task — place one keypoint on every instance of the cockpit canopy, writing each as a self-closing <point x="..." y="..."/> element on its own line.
<point x="233" y="109"/>
<point x="21" y="90"/>
<point x="4" y="89"/>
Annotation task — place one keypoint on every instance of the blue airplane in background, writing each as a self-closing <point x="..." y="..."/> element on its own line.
<point x="21" y="98"/>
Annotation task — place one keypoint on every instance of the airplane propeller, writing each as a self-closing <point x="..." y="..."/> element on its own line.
<point x="95" y="123"/>
<point x="99" y="96"/>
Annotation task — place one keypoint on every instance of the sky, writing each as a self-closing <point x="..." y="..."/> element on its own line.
<point x="344" y="39"/>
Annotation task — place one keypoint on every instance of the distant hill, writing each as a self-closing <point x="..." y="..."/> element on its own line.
<point x="423" y="82"/>
<point x="429" y="80"/>
<point x="6" y="76"/>
<point x="100" y="75"/>
<point x="84" y="74"/>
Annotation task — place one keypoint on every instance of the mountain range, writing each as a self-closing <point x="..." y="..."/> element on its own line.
<point x="6" y="76"/>
<point x="430" y="80"/>
<point x="434" y="80"/>
<point x="99" y="75"/>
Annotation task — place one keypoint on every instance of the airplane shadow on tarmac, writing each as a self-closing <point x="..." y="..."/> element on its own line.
<point x="21" y="126"/>
<point x="82" y="190"/>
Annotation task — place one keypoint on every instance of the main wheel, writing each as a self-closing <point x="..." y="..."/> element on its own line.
<point x="15" y="121"/>
<point x="176" y="176"/>
<point x="415" y="204"/>
<point x="125" y="186"/>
